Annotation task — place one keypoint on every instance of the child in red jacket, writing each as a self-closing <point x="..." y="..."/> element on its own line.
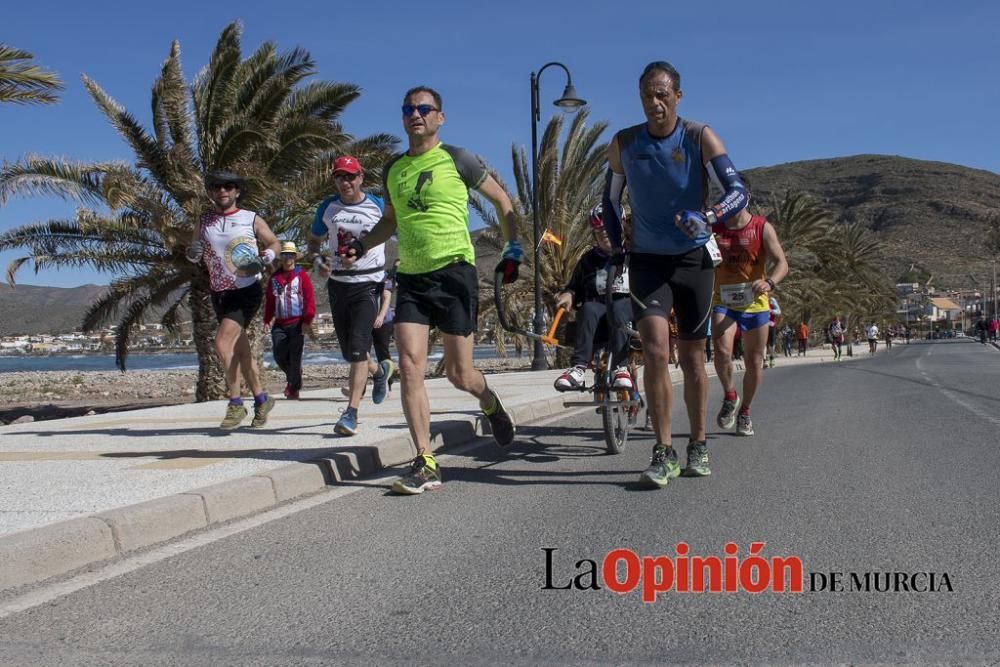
<point x="291" y="303"/>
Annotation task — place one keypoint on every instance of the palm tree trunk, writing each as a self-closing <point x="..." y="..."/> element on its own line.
<point x="211" y="380"/>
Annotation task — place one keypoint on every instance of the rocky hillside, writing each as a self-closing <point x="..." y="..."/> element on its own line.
<point x="932" y="214"/>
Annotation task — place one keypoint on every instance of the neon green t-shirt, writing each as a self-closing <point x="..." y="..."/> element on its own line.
<point x="430" y="195"/>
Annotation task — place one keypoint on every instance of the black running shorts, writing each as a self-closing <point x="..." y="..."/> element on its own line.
<point x="682" y="282"/>
<point x="354" y="307"/>
<point x="447" y="298"/>
<point x="238" y="305"/>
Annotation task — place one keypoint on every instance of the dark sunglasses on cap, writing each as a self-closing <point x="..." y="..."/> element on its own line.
<point x="223" y="186"/>
<point x="422" y="109"/>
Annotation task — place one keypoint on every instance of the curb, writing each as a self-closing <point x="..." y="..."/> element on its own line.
<point x="35" y="555"/>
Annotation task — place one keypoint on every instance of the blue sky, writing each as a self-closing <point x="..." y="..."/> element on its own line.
<point x="778" y="80"/>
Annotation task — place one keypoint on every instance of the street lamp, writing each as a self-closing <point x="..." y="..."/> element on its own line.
<point x="569" y="103"/>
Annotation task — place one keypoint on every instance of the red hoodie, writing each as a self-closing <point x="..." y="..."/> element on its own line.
<point x="289" y="299"/>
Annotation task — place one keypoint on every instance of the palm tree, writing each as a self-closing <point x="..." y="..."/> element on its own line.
<point x="831" y="265"/>
<point x="570" y="179"/>
<point x="23" y="82"/>
<point x="253" y="116"/>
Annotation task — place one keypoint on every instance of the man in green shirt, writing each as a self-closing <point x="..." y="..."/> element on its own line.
<point x="426" y="204"/>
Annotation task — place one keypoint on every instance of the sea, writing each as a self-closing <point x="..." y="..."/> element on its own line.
<point x="170" y="361"/>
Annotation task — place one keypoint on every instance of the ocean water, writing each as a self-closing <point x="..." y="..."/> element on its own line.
<point x="160" y="362"/>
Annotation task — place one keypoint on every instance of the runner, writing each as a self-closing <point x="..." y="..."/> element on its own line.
<point x="667" y="164"/>
<point x="836" y="331"/>
<point x="872" y="333"/>
<point x="774" y="315"/>
<point x="428" y="190"/>
<point x="354" y="288"/>
<point x="802" y="337"/>
<point x="291" y="303"/>
<point x="586" y="292"/>
<point x="228" y="240"/>
<point x="742" y="301"/>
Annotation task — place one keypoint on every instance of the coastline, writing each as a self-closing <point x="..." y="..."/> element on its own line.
<point x="46" y="395"/>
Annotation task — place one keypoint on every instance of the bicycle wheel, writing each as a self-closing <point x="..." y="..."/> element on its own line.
<point x="616" y="423"/>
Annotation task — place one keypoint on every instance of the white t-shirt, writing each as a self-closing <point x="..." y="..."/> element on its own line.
<point x="872" y="332"/>
<point x="229" y="241"/>
<point x="343" y="223"/>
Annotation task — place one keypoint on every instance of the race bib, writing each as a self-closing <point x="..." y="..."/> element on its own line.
<point x="620" y="286"/>
<point x="739" y="295"/>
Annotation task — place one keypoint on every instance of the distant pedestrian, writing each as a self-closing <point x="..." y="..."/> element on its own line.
<point x="802" y="336"/>
<point x="982" y="328"/>
<point x="291" y="304"/>
<point x="887" y="336"/>
<point x="872" y="334"/>
<point x="787" y="336"/>
<point x="836" y="331"/>
<point x="993" y="326"/>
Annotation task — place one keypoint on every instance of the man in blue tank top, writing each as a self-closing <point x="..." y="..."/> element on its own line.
<point x="669" y="166"/>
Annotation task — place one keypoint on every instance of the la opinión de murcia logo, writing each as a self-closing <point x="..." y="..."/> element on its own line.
<point x="623" y="571"/>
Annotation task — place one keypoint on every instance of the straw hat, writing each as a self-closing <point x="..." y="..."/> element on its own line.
<point x="288" y="247"/>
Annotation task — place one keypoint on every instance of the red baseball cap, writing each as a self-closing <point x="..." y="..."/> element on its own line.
<point x="348" y="164"/>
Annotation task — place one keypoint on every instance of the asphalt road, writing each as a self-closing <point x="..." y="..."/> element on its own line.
<point x="889" y="464"/>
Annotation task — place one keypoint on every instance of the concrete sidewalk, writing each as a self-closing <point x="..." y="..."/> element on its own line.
<point x="83" y="490"/>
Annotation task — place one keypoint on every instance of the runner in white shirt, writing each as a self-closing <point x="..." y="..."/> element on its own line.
<point x="228" y="240"/>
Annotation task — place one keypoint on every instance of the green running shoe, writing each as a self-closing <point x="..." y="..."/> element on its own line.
<point x="697" y="466"/>
<point x="661" y="468"/>
<point x="727" y="415"/>
<point x="424" y="474"/>
<point x="234" y="415"/>
<point x="260" y="412"/>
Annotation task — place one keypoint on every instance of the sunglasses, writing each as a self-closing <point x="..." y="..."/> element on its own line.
<point x="422" y="109"/>
<point x="341" y="176"/>
<point x="223" y="186"/>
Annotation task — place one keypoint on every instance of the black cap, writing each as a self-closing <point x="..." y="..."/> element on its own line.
<point x="225" y="177"/>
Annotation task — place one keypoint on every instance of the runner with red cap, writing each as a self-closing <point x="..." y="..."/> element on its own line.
<point x="354" y="289"/>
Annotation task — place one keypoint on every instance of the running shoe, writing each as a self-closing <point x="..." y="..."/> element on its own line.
<point x="424" y="474"/>
<point x="727" y="415"/>
<point x="661" y="468"/>
<point x="234" y="415"/>
<point x="744" y="426"/>
<point x="292" y="395"/>
<point x="623" y="379"/>
<point x="260" y="412"/>
<point x="348" y="423"/>
<point x="380" y="383"/>
<point x="572" y="378"/>
<point x="501" y="423"/>
<point x="288" y="390"/>
<point x="697" y="466"/>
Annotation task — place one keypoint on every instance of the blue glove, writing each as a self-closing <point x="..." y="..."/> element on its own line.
<point x="692" y="223"/>
<point x="510" y="260"/>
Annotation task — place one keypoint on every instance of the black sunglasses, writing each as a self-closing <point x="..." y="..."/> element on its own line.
<point x="344" y="176"/>
<point x="422" y="109"/>
<point x="223" y="186"/>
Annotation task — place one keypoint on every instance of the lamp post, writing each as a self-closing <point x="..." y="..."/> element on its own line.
<point x="569" y="103"/>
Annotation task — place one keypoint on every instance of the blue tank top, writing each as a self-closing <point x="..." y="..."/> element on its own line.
<point x="663" y="177"/>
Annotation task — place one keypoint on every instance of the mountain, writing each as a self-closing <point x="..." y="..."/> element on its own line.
<point x="929" y="214"/>
<point x="932" y="215"/>
<point x="28" y="309"/>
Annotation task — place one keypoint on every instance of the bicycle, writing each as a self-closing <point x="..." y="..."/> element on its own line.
<point x="619" y="408"/>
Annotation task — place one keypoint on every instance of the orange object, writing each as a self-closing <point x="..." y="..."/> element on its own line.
<point x="550" y="338"/>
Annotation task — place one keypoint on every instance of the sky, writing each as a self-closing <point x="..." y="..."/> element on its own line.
<point x="779" y="81"/>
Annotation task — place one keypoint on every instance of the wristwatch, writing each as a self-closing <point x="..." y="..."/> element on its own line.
<point x="769" y="282"/>
<point x="711" y="217"/>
